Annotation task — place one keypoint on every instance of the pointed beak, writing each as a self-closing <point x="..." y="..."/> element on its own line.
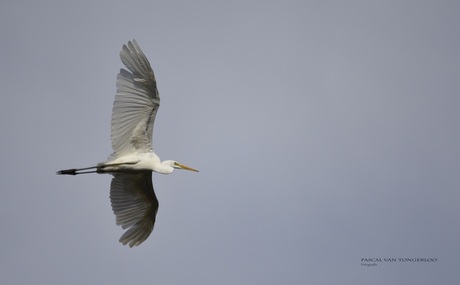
<point x="185" y="167"/>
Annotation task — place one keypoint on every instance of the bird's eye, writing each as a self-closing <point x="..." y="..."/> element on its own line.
<point x="175" y="163"/>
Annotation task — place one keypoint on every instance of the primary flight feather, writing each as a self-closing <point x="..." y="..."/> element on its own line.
<point x="131" y="191"/>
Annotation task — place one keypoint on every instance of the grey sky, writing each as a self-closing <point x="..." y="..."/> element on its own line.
<point x="324" y="132"/>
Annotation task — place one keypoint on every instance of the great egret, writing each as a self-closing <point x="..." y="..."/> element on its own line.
<point x="133" y="160"/>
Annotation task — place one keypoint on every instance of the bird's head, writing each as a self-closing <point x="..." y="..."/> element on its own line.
<point x="177" y="165"/>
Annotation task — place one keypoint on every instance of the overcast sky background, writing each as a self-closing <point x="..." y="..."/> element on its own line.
<point x="324" y="132"/>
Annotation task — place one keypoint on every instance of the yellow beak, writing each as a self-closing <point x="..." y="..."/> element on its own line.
<point x="185" y="167"/>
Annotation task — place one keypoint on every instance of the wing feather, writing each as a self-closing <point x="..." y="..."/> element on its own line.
<point x="135" y="105"/>
<point x="135" y="205"/>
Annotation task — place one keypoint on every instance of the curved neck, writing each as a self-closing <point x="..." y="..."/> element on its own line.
<point x="163" y="168"/>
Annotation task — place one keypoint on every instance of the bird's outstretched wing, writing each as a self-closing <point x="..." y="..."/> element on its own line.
<point x="135" y="105"/>
<point x="134" y="204"/>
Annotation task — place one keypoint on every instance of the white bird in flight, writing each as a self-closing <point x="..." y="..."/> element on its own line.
<point x="133" y="160"/>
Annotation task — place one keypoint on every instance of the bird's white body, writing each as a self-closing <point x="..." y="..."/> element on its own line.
<point x="133" y="160"/>
<point x="141" y="161"/>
